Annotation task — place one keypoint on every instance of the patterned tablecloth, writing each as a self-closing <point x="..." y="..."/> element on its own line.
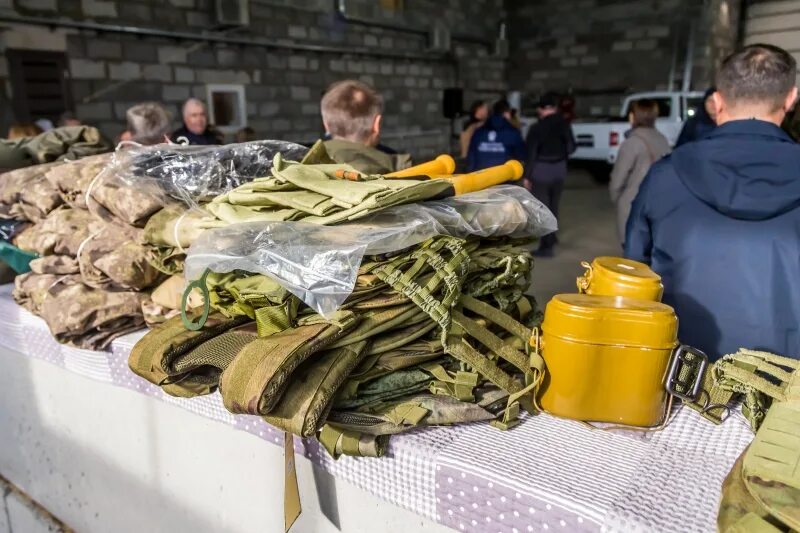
<point x="546" y="474"/>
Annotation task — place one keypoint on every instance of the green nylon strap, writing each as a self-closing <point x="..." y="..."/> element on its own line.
<point x="498" y="317"/>
<point x="340" y="442"/>
<point x="459" y="386"/>
<point x="524" y="307"/>
<point x="329" y="437"/>
<point x="712" y="402"/>
<point x="410" y="414"/>
<point x="466" y="353"/>
<point x="493" y="342"/>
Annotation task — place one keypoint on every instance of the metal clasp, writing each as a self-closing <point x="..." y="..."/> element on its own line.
<point x="695" y="362"/>
<point x="585" y="280"/>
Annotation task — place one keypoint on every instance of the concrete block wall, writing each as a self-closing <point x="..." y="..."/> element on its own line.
<point x="111" y="72"/>
<point x="602" y="49"/>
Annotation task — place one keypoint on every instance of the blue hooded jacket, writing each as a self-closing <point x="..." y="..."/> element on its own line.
<point x="719" y="220"/>
<point x="494" y="143"/>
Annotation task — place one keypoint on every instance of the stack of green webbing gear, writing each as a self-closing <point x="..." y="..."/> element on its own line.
<point x="419" y="341"/>
<point x="762" y="492"/>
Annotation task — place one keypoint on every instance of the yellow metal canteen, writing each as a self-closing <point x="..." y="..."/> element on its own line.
<point x="608" y="358"/>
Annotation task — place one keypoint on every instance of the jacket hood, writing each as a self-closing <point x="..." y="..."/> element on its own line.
<point x="745" y="169"/>
<point x="498" y="122"/>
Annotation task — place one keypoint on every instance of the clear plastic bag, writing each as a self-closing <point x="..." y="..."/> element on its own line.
<point x="319" y="264"/>
<point x="194" y="173"/>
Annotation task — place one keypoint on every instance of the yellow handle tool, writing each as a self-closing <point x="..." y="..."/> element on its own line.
<point x="444" y="164"/>
<point x="488" y="177"/>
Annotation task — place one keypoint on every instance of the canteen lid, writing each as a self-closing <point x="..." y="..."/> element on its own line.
<point x="611" y="320"/>
<point x="626" y="269"/>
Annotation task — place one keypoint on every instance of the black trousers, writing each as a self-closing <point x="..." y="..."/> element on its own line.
<point x="547" y="185"/>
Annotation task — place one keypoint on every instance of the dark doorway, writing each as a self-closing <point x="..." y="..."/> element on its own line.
<point x="39" y="83"/>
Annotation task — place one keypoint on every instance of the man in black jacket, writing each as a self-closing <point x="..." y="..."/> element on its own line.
<point x="550" y="142"/>
<point x="195" y="124"/>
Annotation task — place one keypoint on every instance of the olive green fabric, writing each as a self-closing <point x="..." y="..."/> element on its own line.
<point x="295" y="191"/>
<point x="177" y="228"/>
<point x="66" y="143"/>
<point x="304" y="405"/>
<point x="410" y="347"/>
<point x="258" y="376"/>
<point x="366" y="159"/>
<point x="338" y="442"/>
<point x="13" y="156"/>
<point x="410" y="412"/>
<point x="157" y="356"/>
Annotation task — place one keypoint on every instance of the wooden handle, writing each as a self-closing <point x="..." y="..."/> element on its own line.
<point x="488" y="177"/>
<point x="444" y="164"/>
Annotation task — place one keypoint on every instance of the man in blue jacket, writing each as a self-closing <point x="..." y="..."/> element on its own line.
<point x="719" y="219"/>
<point x="495" y="142"/>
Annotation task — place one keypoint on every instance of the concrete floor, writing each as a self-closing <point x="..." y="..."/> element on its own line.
<point x="588" y="230"/>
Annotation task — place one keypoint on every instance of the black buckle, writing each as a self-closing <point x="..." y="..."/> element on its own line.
<point x="689" y="387"/>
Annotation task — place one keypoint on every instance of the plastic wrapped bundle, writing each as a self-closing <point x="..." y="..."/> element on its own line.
<point x="192" y="174"/>
<point x="319" y="264"/>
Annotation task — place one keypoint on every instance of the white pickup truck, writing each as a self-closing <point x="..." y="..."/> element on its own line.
<point x="599" y="140"/>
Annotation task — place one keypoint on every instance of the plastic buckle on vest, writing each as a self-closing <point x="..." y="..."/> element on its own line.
<point x="695" y="362"/>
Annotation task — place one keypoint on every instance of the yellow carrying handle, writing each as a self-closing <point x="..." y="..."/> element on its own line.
<point x="488" y="177"/>
<point x="444" y="164"/>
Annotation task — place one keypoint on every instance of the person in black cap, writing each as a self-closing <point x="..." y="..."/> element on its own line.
<point x="549" y="142"/>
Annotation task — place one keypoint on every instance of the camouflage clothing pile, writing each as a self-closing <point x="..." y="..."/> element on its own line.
<point x="59" y="144"/>
<point x="89" y="236"/>
<point x="92" y="274"/>
<point x="435" y="335"/>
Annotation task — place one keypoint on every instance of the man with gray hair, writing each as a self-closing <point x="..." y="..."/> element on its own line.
<point x="719" y="219"/>
<point x="148" y="123"/>
<point x="352" y="112"/>
<point x="195" y="127"/>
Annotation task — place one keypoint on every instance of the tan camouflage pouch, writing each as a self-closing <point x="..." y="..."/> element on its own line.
<point x="304" y="405"/>
<point x="260" y="372"/>
<point x="762" y="492"/>
<point x="114" y="259"/>
<point x="157" y="356"/>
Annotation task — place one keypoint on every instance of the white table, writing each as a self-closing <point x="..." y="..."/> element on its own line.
<point x="113" y="453"/>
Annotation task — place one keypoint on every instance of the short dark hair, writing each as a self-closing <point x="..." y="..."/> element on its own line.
<point x="501" y="106"/>
<point x="757" y="74"/>
<point x="645" y="113"/>
<point x="349" y="108"/>
<point x="548" y="99"/>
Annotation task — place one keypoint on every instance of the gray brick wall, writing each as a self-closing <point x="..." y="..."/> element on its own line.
<point x="599" y="49"/>
<point x="602" y="49"/>
<point x="111" y="72"/>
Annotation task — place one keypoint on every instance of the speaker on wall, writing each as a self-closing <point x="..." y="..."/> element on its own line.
<point x="453" y="102"/>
